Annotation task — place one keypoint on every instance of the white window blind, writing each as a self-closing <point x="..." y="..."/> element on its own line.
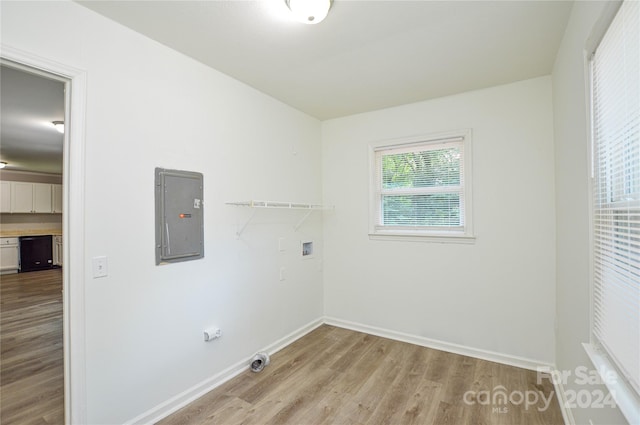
<point x="616" y="198"/>
<point x="420" y="187"/>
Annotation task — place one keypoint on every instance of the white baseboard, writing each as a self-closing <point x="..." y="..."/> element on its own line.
<point x="441" y="345"/>
<point x="567" y="415"/>
<point x="179" y="401"/>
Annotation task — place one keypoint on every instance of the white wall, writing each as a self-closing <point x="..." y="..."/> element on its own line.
<point x="497" y="294"/>
<point x="572" y="202"/>
<point x="144" y="343"/>
<point x="148" y="106"/>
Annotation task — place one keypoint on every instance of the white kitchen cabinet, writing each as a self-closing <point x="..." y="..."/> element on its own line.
<point x="57" y="251"/>
<point x="32" y="197"/>
<point x="56" y="203"/>
<point x="5" y="197"/>
<point x="21" y="197"/>
<point x="42" y="197"/>
<point x="9" y="255"/>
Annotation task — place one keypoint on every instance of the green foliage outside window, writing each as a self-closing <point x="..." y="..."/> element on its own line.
<point x="434" y="171"/>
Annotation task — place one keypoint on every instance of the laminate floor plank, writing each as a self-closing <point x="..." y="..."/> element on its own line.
<point x="448" y="414"/>
<point x="479" y="413"/>
<point x="367" y="399"/>
<point x="31" y="350"/>
<point x="421" y="408"/>
<point x="306" y="396"/>
<point x="337" y="376"/>
<point x="396" y="401"/>
<point x="352" y="380"/>
<point x="508" y="412"/>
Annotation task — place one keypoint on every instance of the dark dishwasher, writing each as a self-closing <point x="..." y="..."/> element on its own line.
<point x="35" y="253"/>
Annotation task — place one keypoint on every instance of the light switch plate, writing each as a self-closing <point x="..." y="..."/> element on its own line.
<point x="99" y="266"/>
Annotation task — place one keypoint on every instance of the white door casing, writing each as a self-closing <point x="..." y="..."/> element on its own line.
<point x="72" y="221"/>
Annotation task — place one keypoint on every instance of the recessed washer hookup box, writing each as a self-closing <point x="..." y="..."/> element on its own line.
<point x="179" y="216"/>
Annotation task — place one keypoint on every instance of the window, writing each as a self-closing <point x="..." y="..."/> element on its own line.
<point x="616" y="196"/>
<point x="422" y="188"/>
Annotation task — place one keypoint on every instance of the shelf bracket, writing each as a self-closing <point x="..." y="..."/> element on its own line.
<point x="307" y="214"/>
<point x="244" y="226"/>
<point x="255" y="205"/>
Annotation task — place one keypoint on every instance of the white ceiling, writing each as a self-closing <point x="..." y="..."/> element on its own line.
<point x="365" y="55"/>
<point x="28" y="105"/>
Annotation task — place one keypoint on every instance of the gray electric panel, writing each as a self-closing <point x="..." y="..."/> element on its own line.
<point x="179" y="216"/>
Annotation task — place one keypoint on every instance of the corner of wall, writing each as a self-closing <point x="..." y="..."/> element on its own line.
<point x="571" y="149"/>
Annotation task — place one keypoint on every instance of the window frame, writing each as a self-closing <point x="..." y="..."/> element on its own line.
<point x="378" y="231"/>
<point x="624" y="393"/>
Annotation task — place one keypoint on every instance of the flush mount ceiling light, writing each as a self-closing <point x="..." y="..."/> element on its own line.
<point x="309" y="11"/>
<point x="59" y="125"/>
<point x="3" y="164"/>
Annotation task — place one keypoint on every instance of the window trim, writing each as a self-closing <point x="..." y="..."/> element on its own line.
<point x="442" y="235"/>
<point x="625" y="395"/>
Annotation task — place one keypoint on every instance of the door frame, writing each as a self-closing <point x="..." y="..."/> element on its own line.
<point x="73" y="229"/>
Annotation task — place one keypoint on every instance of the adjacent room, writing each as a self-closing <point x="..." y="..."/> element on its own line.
<point x="31" y="362"/>
<point x="315" y="211"/>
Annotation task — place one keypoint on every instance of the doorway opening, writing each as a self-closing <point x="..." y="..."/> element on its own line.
<point x="31" y="324"/>
<point x="67" y="200"/>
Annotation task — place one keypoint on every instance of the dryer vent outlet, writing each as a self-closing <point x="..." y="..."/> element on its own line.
<point x="259" y="362"/>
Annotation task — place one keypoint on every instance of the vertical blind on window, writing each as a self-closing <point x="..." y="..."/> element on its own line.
<point x="616" y="198"/>
<point x="421" y="186"/>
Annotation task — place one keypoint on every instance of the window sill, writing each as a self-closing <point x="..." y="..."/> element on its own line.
<point x="417" y="237"/>
<point x="625" y="397"/>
